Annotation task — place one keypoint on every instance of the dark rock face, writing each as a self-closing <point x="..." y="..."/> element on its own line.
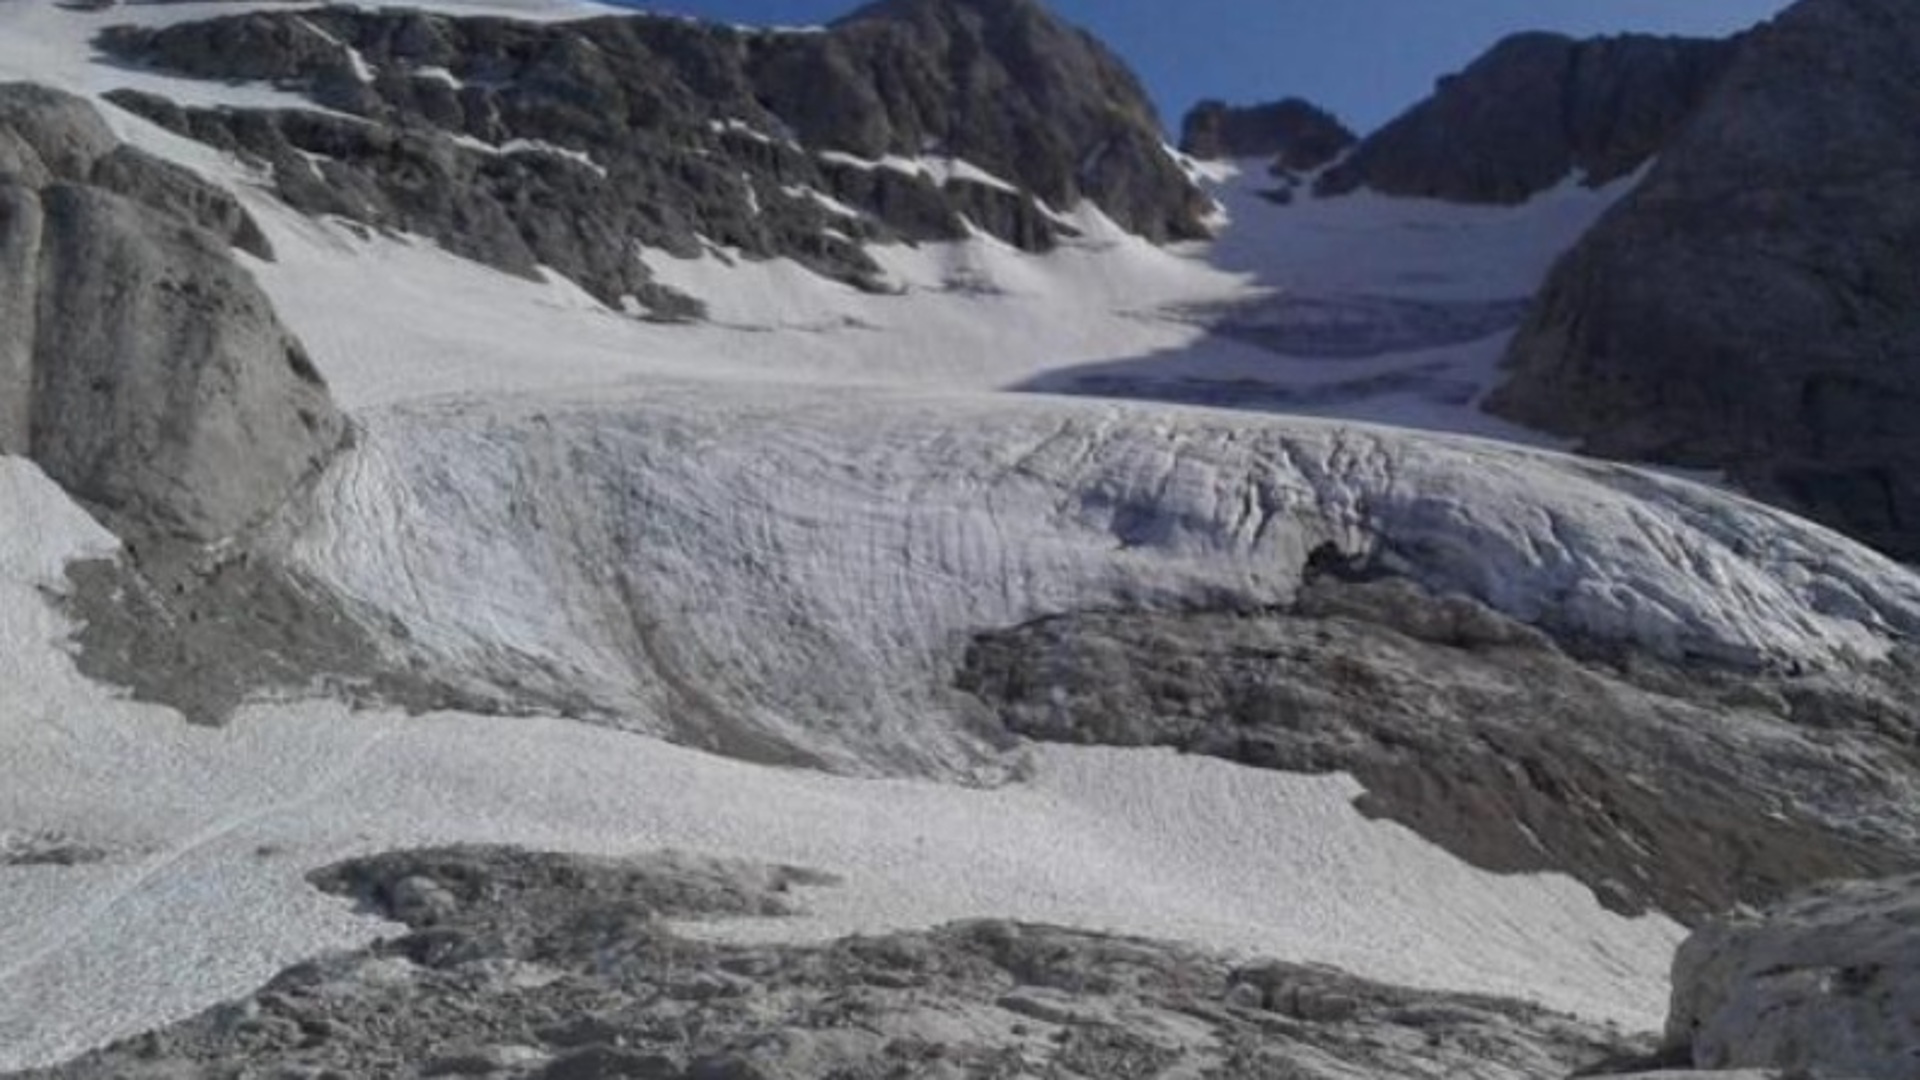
<point x="139" y="365"/>
<point x="1678" y="789"/>
<point x="521" y="965"/>
<point x="1297" y="135"/>
<point x="1005" y="85"/>
<point x="567" y="144"/>
<point x="1531" y="111"/>
<point x="1755" y="306"/>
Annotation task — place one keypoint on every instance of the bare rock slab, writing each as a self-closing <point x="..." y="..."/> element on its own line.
<point x="1826" y="984"/>
<point x="140" y="364"/>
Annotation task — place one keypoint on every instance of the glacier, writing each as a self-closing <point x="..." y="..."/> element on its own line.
<point x="764" y="543"/>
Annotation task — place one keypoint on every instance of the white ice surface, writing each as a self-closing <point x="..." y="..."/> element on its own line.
<point x="810" y="562"/>
<point x="210" y="831"/>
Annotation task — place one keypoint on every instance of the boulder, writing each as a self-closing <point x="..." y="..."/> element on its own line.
<point x="1824" y="984"/>
<point x="57" y="134"/>
<point x="164" y="186"/>
<point x="140" y="366"/>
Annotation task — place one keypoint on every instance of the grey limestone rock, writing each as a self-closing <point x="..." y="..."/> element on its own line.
<point x="53" y="134"/>
<point x="165" y="389"/>
<point x="1755" y="306"/>
<point x="1824" y="984"/>
<point x="1676" y="788"/>
<point x="564" y="145"/>
<point x="1009" y="86"/>
<point x="1692" y="1074"/>
<point x="22" y="224"/>
<point x="522" y="965"/>
<point x="1535" y="109"/>
<point x="140" y="366"/>
<point x="164" y="186"/>
<point x="1296" y="135"/>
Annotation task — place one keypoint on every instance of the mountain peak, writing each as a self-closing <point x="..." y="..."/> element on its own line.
<point x="1534" y="109"/>
<point x="993" y="10"/>
<point x="1300" y="135"/>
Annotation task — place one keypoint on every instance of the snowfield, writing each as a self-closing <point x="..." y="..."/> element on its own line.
<point x="773" y="535"/>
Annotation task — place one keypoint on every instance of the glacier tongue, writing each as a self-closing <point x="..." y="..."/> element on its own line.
<point x="793" y="574"/>
<point x="201" y="837"/>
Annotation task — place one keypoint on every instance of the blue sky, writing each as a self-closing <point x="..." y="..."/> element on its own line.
<point x="1364" y="59"/>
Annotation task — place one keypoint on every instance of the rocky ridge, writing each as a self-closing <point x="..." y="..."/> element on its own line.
<point x="1752" y="306"/>
<point x="1296" y="135"/>
<point x="1536" y="109"/>
<point x="567" y="145"/>
<point x="526" y="965"/>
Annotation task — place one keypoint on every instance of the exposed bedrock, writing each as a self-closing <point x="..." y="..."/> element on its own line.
<point x="1534" y="110"/>
<point x="1755" y="306"/>
<point x="144" y="371"/>
<point x="566" y="144"/>
<point x="1010" y="87"/>
<point x="1295" y="135"/>
<point x="140" y="365"/>
<point x="513" y="964"/>
<point x="1826" y="983"/>
<point x="1661" y="785"/>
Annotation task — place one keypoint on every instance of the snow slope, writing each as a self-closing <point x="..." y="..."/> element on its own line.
<point x="1108" y="314"/>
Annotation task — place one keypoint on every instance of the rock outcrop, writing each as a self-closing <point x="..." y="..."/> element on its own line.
<point x="1533" y="111"/>
<point x="1007" y="86"/>
<point x="1662" y="786"/>
<point x="1296" y="135"/>
<point x="1755" y="306"/>
<point x="140" y="365"/>
<point x="549" y="967"/>
<point x="566" y="144"/>
<point x="1826" y="984"/>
